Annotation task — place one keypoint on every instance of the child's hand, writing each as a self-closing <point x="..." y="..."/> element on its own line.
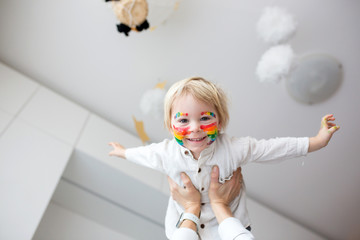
<point x="326" y="131"/>
<point x="118" y="151"/>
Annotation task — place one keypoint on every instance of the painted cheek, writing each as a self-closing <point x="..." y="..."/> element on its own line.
<point x="211" y="131"/>
<point x="180" y="133"/>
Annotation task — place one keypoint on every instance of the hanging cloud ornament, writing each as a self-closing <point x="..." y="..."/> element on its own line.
<point x="276" y="25"/>
<point x="275" y="64"/>
<point x="315" y="79"/>
<point x="152" y="102"/>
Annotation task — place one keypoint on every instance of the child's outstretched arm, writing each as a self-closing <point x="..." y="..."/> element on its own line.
<point x="118" y="151"/>
<point x="151" y="156"/>
<point x="325" y="133"/>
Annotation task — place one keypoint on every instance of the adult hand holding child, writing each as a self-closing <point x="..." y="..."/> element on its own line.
<point x="220" y="195"/>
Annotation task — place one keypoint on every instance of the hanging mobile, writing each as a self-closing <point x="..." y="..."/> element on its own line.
<point x="132" y="15"/>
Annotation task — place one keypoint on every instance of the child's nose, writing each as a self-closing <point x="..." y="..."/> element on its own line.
<point x="195" y="127"/>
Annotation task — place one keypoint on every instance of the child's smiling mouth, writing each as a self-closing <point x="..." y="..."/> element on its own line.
<point x="196" y="139"/>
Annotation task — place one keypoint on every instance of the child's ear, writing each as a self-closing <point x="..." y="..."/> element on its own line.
<point x="171" y="129"/>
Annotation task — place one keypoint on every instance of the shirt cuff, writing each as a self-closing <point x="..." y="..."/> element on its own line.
<point x="128" y="153"/>
<point x="132" y="155"/>
<point x="231" y="227"/>
<point x="303" y="146"/>
<point x="184" y="233"/>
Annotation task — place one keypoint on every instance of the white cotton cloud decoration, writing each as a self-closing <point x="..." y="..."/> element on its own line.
<point x="275" y="64"/>
<point x="276" y="25"/>
<point x="152" y="102"/>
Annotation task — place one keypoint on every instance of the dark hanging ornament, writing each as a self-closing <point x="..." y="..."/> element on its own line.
<point x="145" y="25"/>
<point x="122" y="28"/>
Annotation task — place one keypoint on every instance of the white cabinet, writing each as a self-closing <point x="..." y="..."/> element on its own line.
<point x="55" y="114"/>
<point x="15" y="89"/>
<point x="31" y="163"/>
<point x="39" y="132"/>
<point x="5" y="120"/>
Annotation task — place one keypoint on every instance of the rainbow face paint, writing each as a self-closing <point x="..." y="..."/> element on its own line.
<point x="211" y="131"/>
<point x="180" y="133"/>
<point x="179" y="114"/>
<point x="209" y="114"/>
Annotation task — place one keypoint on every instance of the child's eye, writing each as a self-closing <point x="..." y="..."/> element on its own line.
<point x="204" y="118"/>
<point x="183" y="120"/>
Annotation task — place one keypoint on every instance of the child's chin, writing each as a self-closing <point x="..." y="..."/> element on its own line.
<point x="198" y="149"/>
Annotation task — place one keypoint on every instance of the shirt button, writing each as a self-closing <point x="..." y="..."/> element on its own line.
<point x="202" y="225"/>
<point x="199" y="170"/>
<point x="202" y="204"/>
<point x="186" y="152"/>
<point x="202" y="189"/>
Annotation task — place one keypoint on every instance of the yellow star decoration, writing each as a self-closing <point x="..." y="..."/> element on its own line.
<point x="176" y="6"/>
<point x="161" y="85"/>
<point x="139" y="126"/>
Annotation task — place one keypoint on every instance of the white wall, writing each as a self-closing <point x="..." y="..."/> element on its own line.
<point x="41" y="134"/>
<point x="269" y="225"/>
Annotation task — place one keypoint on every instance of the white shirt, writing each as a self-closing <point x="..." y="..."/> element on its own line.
<point x="229" y="154"/>
<point x="229" y="229"/>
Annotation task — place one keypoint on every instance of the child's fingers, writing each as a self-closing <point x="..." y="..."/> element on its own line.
<point x="333" y="129"/>
<point x="113" y="144"/>
<point x="328" y="116"/>
<point x="325" y="120"/>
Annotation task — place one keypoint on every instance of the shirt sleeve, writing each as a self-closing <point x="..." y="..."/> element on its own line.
<point x="151" y="156"/>
<point x="184" y="234"/>
<point x="275" y="149"/>
<point x="232" y="229"/>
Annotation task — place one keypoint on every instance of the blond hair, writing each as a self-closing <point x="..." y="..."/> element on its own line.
<point x="201" y="89"/>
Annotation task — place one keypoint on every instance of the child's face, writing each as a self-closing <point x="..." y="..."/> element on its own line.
<point x="194" y="123"/>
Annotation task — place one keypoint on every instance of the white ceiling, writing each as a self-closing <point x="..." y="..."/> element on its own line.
<point x="73" y="48"/>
